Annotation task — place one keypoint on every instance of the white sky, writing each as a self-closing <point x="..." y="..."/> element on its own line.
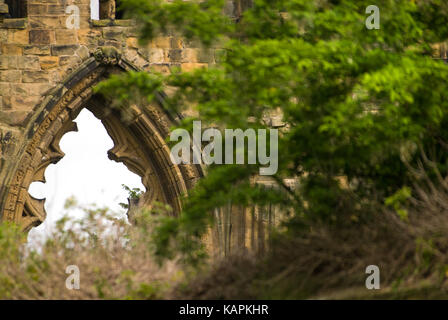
<point x="85" y="173"/>
<point x="94" y="9"/>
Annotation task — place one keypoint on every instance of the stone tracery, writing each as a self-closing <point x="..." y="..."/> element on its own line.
<point x="138" y="143"/>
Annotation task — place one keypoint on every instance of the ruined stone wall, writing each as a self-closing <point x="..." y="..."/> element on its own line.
<point x="39" y="51"/>
<point x="40" y="54"/>
<point x="46" y="74"/>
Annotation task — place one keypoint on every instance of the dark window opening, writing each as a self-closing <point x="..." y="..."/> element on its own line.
<point x="119" y="14"/>
<point x="17" y="8"/>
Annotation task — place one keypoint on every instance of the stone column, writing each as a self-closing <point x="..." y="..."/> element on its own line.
<point x="4" y="10"/>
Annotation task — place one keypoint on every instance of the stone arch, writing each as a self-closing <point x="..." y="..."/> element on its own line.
<point x="139" y="142"/>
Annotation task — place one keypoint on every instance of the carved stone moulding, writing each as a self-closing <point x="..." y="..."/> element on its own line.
<point x="139" y="143"/>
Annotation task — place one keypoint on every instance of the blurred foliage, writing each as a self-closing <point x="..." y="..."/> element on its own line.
<point x="115" y="259"/>
<point x="352" y="100"/>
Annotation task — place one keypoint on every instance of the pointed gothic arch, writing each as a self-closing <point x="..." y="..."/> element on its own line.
<point x="139" y="143"/>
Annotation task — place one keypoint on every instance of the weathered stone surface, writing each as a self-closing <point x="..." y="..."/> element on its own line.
<point x="25" y="102"/>
<point x="3" y="8"/>
<point x="113" y="33"/>
<point x="18" y="36"/>
<point x="13" y="118"/>
<point x="156" y="55"/>
<point x="69" y="60"/>
<point x="19" y="89"/>
<point x="38" y="50"/>
<point x="11" y="49"/>
<point x="56" y="9"/>
<point x="28" y="63"/>
<point x="64" y="36"/>
<point x="47" y="72"/>
<point x="10" y="76"/>
<point x="48" y="62"/>
<point x="83" y="52"/>
<point x="5" y="88"/>
<point x="45" y="22"/>
<point x="35" y="77"/>
<point x="14" y="23"/>
<point x="37" y="9"/>
<point x="132" y="42"/>
<point x="66" y="49"/>
<point x="187" y="67"/>
<point x="41" y="36"/>
<point x="175" y="55"/>
<point x="3" y="36"/>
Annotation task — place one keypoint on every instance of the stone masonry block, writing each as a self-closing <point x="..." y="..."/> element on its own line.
<point x="28" y="63"/>
<point x="10" y="76"/>
<point x="39" y="50"/>
<point x="37" y="9"/>
<point x="18" y="36"/>
<point x="19" y="89"/>
<point x="14" y="23"/>
<point x="60" y="50"/>
<point x="35" y="77"/>
<point x="5" y="88"/>
<point x="48" y="62"/>
<point x="11" y="49"/>
<point x="8" y="62"/>
<point x="41" y="36"/>
<point x="66" y="36"/>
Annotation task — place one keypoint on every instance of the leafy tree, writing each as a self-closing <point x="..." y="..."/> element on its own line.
<point x="354" y="101"/>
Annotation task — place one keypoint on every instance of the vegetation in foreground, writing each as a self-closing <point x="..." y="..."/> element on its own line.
<point x="115" y="260"/>
<point x="365" y="114"/>
<point x="358" y="105"/>
<point x="119" y="261"/>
